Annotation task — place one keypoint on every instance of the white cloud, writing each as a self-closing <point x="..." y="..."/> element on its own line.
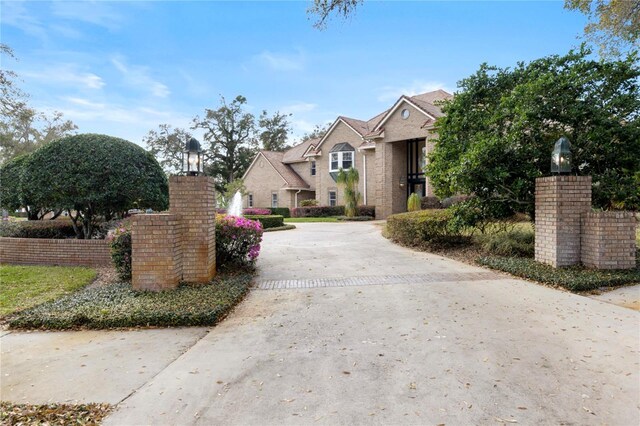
<point x="67" y="74"/>
<point x="139" y="77"/>
<point x="16" y="15"/>
<point x="281" y="61"/>
<point x="392" y="93"/>
<point x="98" y="13"/>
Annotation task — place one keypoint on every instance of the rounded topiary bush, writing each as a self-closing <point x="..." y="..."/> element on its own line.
<point x="95" y="175"/>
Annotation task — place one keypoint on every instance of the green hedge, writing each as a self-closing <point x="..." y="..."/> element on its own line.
<point x="53" y="229"/>
<point x="509" y="243"/>
<point x="328" y="211"/>
<point x="574" y="278"/>
<point x="271" y="221"/>
<point x="423" y="228"/>
<point x="282" y="211"/>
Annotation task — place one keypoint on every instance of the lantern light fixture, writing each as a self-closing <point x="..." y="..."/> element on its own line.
<point x="192" y="158"/>
<point x="561" y="158"/>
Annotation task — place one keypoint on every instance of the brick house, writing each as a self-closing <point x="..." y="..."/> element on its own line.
<point x="389" y="151"/>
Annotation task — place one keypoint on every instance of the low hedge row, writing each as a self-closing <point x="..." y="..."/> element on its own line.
<point x="57" y="229"/>
<point x="118" y="305"/>
<point x="52" y="229"/>
<point x="574" y="278"/>
<point x="327" y="211"/>
<point x="270" y="221"/>
<point x="423" y="228"/>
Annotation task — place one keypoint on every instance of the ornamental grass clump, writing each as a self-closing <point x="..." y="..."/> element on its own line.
<point x="414" y="203"/>
<point x="349" y="179"/>
<point x="237" y="241"/>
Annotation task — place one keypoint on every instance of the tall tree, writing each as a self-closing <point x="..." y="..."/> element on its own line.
<point x="231" y="134"/>
<point x="614" y="25"/>
<point x="499" y="130"/>
<point x="274" y="131"/>
<point x="318" y="132"/>
<point x="22" y="128"/>
<point x="167" y="145"/>
<point x="323" y="9"/>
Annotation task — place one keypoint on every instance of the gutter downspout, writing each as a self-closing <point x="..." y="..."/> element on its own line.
<point x="364" y="164"/>
<point x="296" y="194"/>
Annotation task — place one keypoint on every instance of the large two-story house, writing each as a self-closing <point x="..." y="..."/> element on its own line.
<point x="389" y="151"/>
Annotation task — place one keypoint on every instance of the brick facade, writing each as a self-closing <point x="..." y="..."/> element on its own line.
<point x="608" y="240"/>
<point x="560" y="202"/>
<point x="68" y="252"/>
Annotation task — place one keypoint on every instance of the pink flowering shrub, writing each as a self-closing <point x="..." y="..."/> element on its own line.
<point x="120" y="242"/>
<point x="237" y="241"/>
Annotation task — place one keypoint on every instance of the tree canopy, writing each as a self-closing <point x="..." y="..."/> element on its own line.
<point x="323" y="9"/>
<point x="94" y="175"/>
<point x="274" y="131"/>
<point x="500" y="128"/>
<point x="614" y="25"/>
<point x="22" y="128"/>
<point x="167" y="144"/>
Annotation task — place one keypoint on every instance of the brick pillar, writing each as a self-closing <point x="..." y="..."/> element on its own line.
<point x="192" y="198"/>
<point x="560" y="202"/>
<point x="156" y="252"/>
<point x="609" y="240"/>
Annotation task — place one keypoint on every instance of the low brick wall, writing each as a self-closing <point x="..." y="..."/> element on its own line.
<point x="39" y="251"/>
<point x="608" y="240"/>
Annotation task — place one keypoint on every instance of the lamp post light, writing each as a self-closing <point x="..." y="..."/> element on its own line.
<point x="192" y="158"/>
<point x="561" y="158"/>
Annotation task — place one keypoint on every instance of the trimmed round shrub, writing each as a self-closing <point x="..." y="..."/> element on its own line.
<point x="430" y="202"/>
<point x="120" y="241"/>
<point x="282" y="211"/>
<point x="237" y="241"/>
<point x="308" y="203"/>
<point x="423" y="228"/>
<point x="267" y="221"/>
<point x="94" y="175"/>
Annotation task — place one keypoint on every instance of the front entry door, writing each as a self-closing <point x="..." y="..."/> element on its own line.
<point x="416" y="181"/>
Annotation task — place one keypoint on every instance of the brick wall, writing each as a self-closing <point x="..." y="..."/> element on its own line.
<point x="156" y="244"/>
<point x="609" y="240"/>
<point x="69" y="252"/>
<point x="560" y="202"/>
<point x="192" y="199"/>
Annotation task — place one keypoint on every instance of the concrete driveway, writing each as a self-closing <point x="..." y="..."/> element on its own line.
<point x="347" y="328"/>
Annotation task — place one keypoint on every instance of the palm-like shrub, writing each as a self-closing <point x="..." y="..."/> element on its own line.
<point x="349" y="179"/>
<point x="413" y="203"/>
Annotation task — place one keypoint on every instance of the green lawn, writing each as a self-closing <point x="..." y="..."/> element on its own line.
<point x="23" y="287"/>
<point x="310" y="219"/>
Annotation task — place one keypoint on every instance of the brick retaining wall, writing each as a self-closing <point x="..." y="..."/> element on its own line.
<point x="67" y="252"/>
<point x="609" y="240"/>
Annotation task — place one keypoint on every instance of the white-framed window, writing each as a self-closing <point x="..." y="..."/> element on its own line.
<point x="340" y="160"/>
<point x="313" y="168"/>
<point x="274" y="200"/>
<point x="250" y="200"/>
<point x="333" y="198"/>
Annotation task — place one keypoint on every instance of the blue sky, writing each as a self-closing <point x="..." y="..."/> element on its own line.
<point x="124" y="68"/>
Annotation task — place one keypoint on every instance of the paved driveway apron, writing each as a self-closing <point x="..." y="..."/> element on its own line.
<point x="347" y="328"/>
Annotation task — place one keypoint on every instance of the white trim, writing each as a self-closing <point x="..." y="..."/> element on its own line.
<point x="340" y="155"/>
<point x="310" y="148"/>
<point x="333" y="126"/>
<point x="277" y="199"/>
<point x="396" y="106"/>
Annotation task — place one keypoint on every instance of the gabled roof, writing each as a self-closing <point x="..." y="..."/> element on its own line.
<point x="423" y="103"/>
<point x="291" y="179"/>
<point x="296" y="153"/>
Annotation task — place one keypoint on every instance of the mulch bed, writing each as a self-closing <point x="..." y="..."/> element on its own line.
<point x="53" y="414"/>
